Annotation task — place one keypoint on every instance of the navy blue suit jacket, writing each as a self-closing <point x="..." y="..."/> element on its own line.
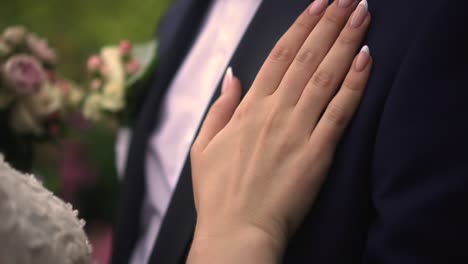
<point x="398" y="188"/>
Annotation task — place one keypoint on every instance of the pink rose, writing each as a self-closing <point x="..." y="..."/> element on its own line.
<point x="94" y="63"/>
<point x="132" y="67"/>
<point x="40" y="48"/>
<point x="125" y="48"/>
<point x="96" y="84"/>
<point x="24" y="74"/>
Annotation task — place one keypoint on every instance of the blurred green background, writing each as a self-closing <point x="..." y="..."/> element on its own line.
<point x="78" y="28"/>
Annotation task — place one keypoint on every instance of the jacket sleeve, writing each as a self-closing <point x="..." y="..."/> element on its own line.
<point x="420" y="166"/>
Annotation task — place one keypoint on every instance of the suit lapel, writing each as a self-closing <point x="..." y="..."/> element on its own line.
<point x="273" y="18"/>
<point x="176" y="34"/>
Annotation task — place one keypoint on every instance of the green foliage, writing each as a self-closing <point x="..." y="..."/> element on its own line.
<point x="98" y="202"/>
<point x="79" y="28"/>
<point x="145" y="53"/>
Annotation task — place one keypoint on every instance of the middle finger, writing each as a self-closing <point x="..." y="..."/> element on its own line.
<point x="314" y="50"/>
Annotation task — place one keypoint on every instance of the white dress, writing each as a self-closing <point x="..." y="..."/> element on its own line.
<point x="35" y="225"/>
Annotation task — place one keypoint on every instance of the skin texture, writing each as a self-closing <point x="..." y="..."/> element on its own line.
<point x="259" y="163"/>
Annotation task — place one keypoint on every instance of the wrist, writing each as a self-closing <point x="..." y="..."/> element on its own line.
<point x="238" y="245"/>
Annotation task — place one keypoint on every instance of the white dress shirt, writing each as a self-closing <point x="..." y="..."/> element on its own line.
<point x="182" y="111"/>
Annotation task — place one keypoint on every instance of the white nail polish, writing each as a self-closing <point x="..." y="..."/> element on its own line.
<point x="366" y="50"/>
<point x="360" y="14"/>
<point x="227" y="80"/>
<point x="365" y="4"/>
<point x="363" y="59"/>
<point x="229" y="73"/>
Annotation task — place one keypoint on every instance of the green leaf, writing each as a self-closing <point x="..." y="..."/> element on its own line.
<point x="145" y="54"/>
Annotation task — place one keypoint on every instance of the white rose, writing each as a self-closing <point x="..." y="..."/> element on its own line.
<point x="48" y="100"/>
<point x="92" y="107"/>
<point x="112" y="97"/>
<point x="113" y="60"/>
<point x="75" y="96"/>
<point x="113" y="91"/>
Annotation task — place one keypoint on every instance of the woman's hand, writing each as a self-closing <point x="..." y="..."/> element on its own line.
<point x="258" y="165"/>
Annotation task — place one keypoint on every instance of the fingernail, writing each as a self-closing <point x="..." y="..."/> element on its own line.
<point x="363" y="59"/>
<point x="345" y="3"/>
<point x="318" y="7"/>
<point x="360" y="14"/>
<point x="227" y="80"/>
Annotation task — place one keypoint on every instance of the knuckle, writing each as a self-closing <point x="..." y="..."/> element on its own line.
<point x="322" y="79"/>
<point x="348" y="39"/>
<point x="351" y="86"/>
<point x="306" y="57"/>
<point x="287" y="145"/>
<point x="332" y="19"/>
<point x="337" y="115"/>
<point x="315" y="153"/>
<point x="304" y="24"/>
<point x="281" y="53"/>
<point x="291" y="141"/>
<point x="273" y="121"/>
<point x="243" y="111"/>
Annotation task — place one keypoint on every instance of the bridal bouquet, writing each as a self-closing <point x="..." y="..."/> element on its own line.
<point x="33" y="97"/>
<point x="35" y="100"/>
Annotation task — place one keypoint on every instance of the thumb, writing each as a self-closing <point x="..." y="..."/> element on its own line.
<point x="221" y="111"/>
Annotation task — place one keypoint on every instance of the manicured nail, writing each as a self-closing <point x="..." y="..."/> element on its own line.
<point x="363" y="59"/>
<point x="228" y="76"/>
<point x="345" y="3"/>
<point x="360" y="14"/>
<point x="318" y="7"/>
